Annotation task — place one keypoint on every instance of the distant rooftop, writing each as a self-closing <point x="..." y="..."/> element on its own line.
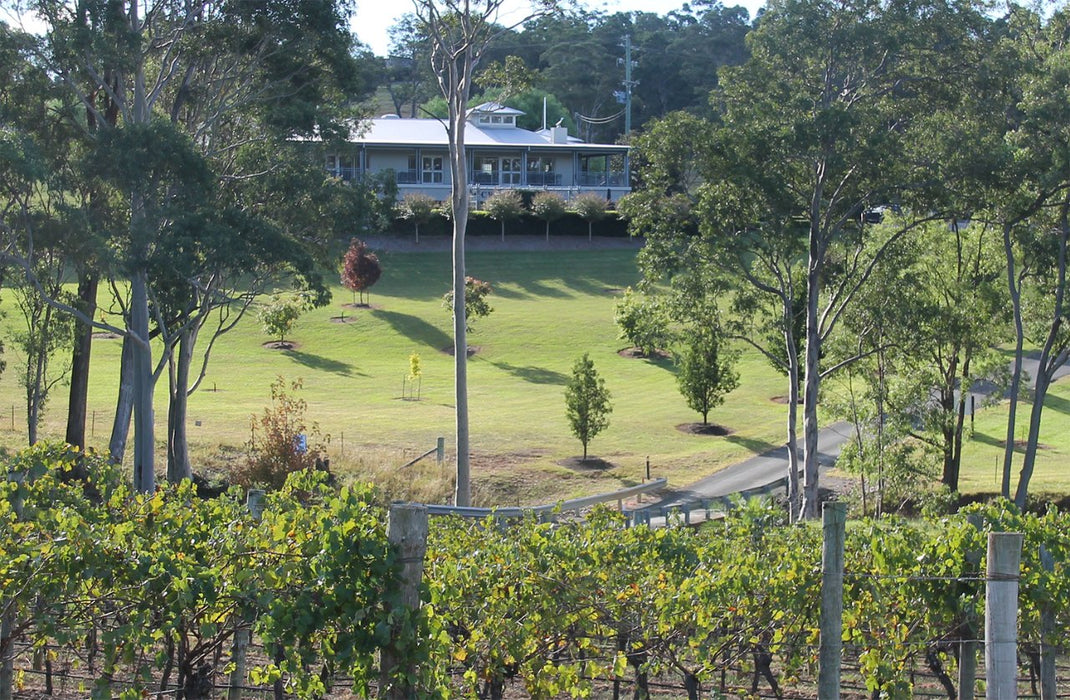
<point x="391" y="130"/>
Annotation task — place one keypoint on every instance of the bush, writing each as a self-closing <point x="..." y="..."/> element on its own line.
<point x="281" y="442"/>
<point x="642" y="321"/>
<point x="279" y="316"/>
<point x="548" y="206"/>
<point x="476" y="306"/>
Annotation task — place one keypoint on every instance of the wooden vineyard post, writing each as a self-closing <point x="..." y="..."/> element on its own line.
<point x="831" y="642"/>
<point x="8" y="607"/>
<point x="1048" y="650"/>
<point x="1001" y="615"/>
<point x="968" y="646"/>
<point x="254" y="501"/>
<point x="407" y="533"/>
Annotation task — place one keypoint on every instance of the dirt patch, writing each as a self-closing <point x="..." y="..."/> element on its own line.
<point x="343" y="319"/>
<point x="360" y="306"/>
<point x="472" y="350"/>
<point x="785" y="400"/>
<point x="615" y="291"/>
<point x="591" y="464"/>
<point x="105" y="335"/>
<point x="281" y="345"/>
<point x="637" y="354"/>
<point x="704" y="429"/>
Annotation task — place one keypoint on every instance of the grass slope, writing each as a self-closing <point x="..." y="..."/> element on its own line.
<point x="550" y="306"/>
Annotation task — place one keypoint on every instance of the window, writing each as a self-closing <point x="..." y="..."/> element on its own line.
<point x="541" y="172"/>
<point x="485" y="170"/>
<point x="342" y="166"/>
<point x="496" y="119"/>
<point x="511" y="171"/>
<point x="432" y="170"/>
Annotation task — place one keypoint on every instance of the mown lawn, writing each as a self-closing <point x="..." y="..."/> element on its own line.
<point x="550" y="306"/>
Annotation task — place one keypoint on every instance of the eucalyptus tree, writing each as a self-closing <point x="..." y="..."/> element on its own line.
<point x="169" y="88"/>
<point x="1033" y="204"/>
<point x="460" y="33"/>
<point x="821" y="119"/>
<point x="408" y="80"/>
<point x="709" y="238"/>
<point x="927" y="324"/>
<point x="820" y="125"/>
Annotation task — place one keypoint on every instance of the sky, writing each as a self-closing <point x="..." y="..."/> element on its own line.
<point x="375" y="17"/>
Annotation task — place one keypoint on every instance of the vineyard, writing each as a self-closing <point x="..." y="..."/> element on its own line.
<point x="111" y="593"/>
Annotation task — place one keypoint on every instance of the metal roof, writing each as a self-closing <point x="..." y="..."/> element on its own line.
<point x="432" y="132"/>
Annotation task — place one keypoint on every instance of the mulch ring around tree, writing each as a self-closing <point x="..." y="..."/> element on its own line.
<point x="280" y="345"/>
<point x="591" y="464"/>
<point x="104" y="335"/>
<point x="785" y="399"/>
<point x="472" y="350"/>
<point x="704" y="429"/>
<point x="636" y="353"/>
<point x="343" y="318"/>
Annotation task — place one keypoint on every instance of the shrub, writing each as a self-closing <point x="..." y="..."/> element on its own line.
<point x="590" y="207"/>
<point x="548" y="206"/>
<point x="476" y="306"/>
<point x="275" y="444"/>
<point x="418" y="208"/>
<point x="642" y="321"/>
<point x="279" y="316"/>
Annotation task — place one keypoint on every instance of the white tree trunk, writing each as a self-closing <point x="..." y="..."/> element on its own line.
<point x="141" y="354"/>
<point x="811" y="388"/>
<point x="459" y="200"/>
<point x="178" y="461"/>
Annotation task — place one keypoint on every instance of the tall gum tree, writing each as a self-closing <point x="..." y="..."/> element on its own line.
<point x="820" y="119"/>
<point x="460" y="32"/>
<point x="709" y="237"/>
<point x="177" y="75"/>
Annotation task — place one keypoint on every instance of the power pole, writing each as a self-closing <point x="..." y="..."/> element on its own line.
<point x="628" y="83"/>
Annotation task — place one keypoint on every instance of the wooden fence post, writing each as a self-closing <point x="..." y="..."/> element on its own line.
<point x="1048" y="650"/>
<point x="8" y="608"/>
<point x="1001" y="615"/>
<point x="831" y="641"/>
<point x="968" y="646"/>
<point x="440" y="451"/>
<point x="407" y="533"/>
<point x="254" y="501"/>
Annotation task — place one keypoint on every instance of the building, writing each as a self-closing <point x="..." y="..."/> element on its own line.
<point x="501" y="155"/>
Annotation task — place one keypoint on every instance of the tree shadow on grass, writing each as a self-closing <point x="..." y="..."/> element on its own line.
<point x="756" y="446"/>
<point x="539" y="288"/>
<point x="984" y="439"/>
<point x="414" y="328"/>
<point x="535" y="375"/>
<point x="322" y="364"/>
<point x="1056" y="403"/>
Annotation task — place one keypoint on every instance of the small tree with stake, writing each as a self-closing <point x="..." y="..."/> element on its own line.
<point x="361" y="269"/>
<point x="705" y="373"/>
<point x="586" y="402"/>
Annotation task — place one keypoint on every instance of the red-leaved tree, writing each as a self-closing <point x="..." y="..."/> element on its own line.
<point x="361" y="269"/>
